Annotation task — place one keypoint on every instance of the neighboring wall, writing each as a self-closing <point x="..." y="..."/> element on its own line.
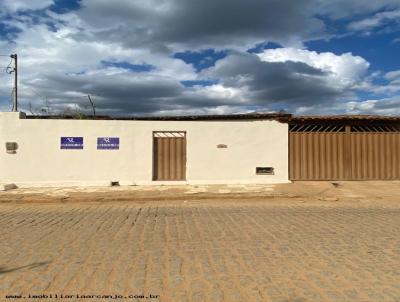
<point x="39" y="161"/>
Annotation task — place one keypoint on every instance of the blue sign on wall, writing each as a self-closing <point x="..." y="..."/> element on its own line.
<point x="71" y="142"/>
<point x="107" y="143"/>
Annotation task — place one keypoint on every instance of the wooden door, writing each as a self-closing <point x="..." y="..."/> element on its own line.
<point x="169" y="155"/>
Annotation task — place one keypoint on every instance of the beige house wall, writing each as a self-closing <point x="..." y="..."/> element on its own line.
<point x="39" y="161"/>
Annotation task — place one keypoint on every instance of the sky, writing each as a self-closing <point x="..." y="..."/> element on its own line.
<point x="177" y="57"/>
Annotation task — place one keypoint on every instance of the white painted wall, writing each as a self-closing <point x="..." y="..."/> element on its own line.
<point x="39" y="161"/>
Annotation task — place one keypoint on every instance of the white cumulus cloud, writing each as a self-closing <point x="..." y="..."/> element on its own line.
<point x="345" y="69"/>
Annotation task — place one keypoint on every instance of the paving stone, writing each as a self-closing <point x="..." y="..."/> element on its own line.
<point x="203" y="252"/>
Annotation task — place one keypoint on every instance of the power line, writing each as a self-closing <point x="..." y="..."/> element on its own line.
<point x="9" y="69"/>
<point x="9" y="66"/>
<point x="37" y="93"/>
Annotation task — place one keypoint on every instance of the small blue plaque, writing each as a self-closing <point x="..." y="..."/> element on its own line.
<point x="71" y="142"/>
<point x="108" y="143"/>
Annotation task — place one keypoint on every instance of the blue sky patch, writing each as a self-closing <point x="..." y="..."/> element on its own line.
<point x="261" y="46"/>
<point x="7" y="32"/>
<point x="65" y="6"/>
<point x="201" y="59"/>
<point x="377" y="49"/>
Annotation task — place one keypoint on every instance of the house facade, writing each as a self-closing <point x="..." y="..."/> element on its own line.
<point x="214" y="149"/>
<point x="40" y="151"/>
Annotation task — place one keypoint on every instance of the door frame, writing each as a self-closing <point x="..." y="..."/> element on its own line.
<point x="168" y="134"/>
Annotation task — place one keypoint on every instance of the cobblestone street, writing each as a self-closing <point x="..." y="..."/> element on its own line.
<point x="201" y="251"/>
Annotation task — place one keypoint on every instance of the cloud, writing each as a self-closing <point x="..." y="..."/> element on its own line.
<point x="391" y="87"/>
<point x="388" y="106"/>
<point x="121" y="92"/>
<point x="139" y="57"/>
<point x="18" y="5"/>
<point x="345" y="9"/>
<point x="274" y="79"/>
<point x="234" y="24"/>
<point x="345" y="69"/>
<point x="393" y="75"/>
<point x="53" y="65"/>
<point x="378" y="20"/>
<point x="290" y="78"/>
<point x="199" y="24"/>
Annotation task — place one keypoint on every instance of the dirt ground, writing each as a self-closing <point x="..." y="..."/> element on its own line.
<point x="300" y="242"/>
<point x="303" y="192"/>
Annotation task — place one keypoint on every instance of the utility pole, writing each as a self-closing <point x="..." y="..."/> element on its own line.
<point x="15" y="100"/>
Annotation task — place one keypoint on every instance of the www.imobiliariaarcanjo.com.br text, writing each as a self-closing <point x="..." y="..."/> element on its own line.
<point x="83" y="296"/>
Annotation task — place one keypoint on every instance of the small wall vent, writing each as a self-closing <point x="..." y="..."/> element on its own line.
<point x="11" y="147"/>
<point x="264" y="170"/>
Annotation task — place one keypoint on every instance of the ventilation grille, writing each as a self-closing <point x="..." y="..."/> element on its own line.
<point x="169" y="134"/>
<point x="341" y="128"/>
<point x="265" y="171"/>
<point x="11" y="147"/>
<point x="316" y="128"/>
<point x="375" y="128"/>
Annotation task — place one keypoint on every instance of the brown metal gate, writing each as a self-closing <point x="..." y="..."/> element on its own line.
<point x="169" y="155"/>
<point x="339" y="152"/>
<point x="375" y="155"/>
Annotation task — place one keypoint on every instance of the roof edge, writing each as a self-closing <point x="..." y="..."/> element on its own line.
<point x="344" y="118"/>
<point x="282" y="117"/>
